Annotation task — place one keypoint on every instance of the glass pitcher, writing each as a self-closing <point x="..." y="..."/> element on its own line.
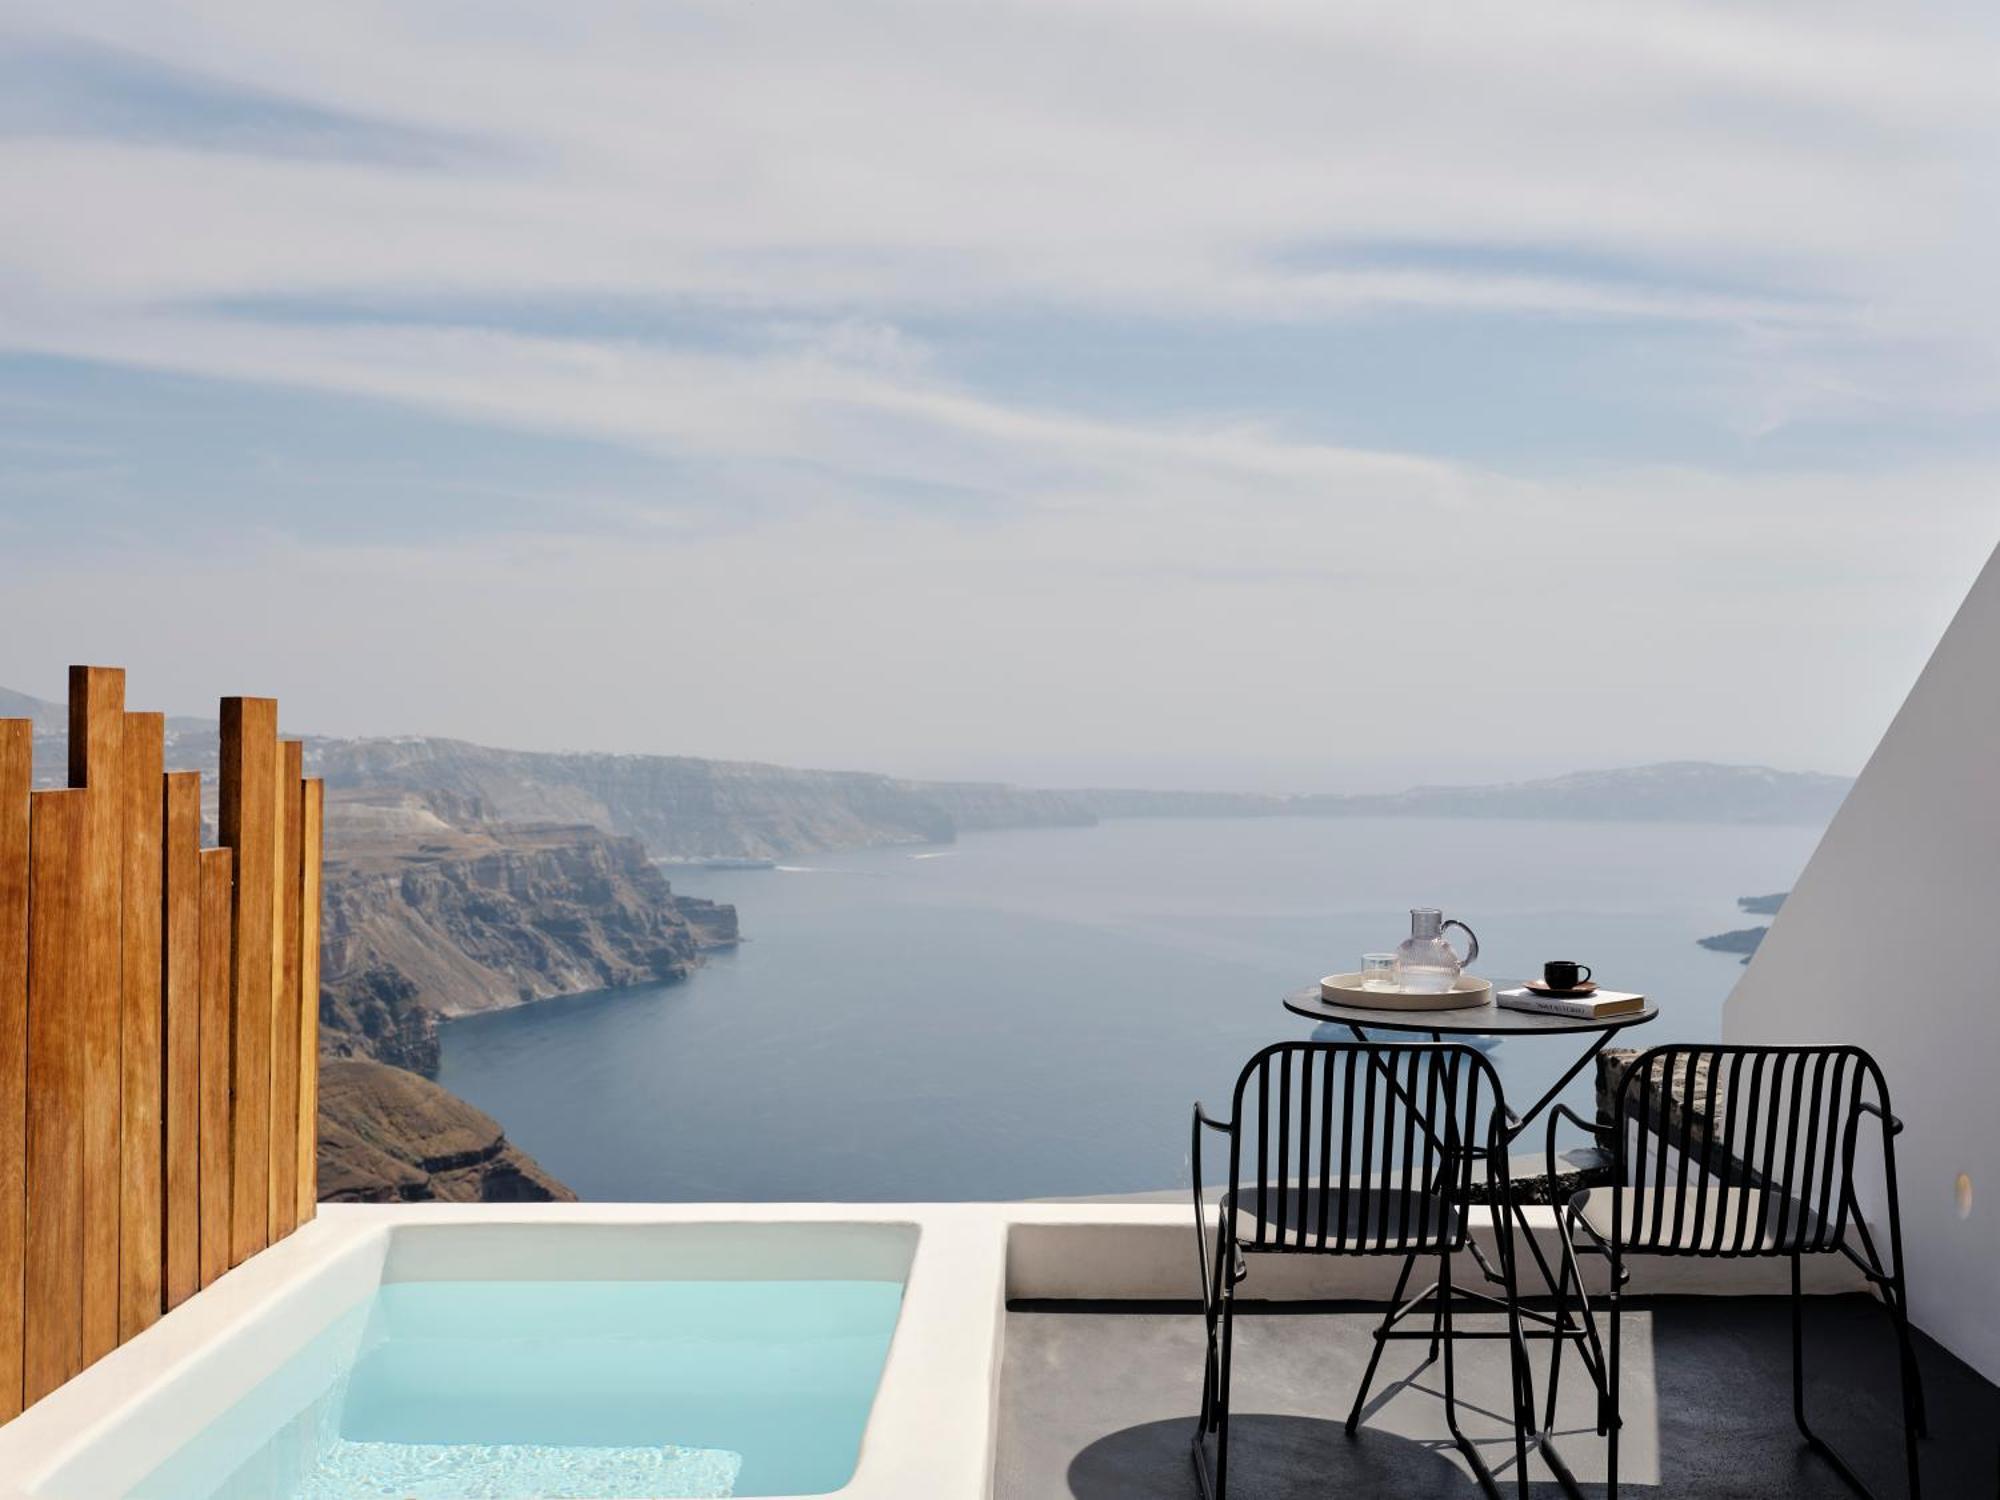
<point x="1425" y="964"/>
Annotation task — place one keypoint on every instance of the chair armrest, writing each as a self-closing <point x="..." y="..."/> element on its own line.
<point x="1202" y="1118"/>
<point x="1870" y="1106"/>
<point x="1561" y="1112"/>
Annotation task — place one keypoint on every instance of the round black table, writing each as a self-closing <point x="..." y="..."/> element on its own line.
<point x="1492" y="1019"/>
<point x="1466" y="1020"/>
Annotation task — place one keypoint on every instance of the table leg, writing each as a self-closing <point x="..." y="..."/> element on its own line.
<point x="1511" y="1219"/>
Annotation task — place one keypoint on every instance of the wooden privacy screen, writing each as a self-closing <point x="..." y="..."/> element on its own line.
<point x="159" y="1025"/>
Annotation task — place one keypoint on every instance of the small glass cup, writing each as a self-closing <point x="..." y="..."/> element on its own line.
<point x="1378" y="971"/>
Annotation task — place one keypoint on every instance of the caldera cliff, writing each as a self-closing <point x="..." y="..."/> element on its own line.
<point x="388" y="1136"/>
<point x="426" y="917"/>
<point x="432" y="909"/>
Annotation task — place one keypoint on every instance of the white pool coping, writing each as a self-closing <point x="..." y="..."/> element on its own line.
<point x="931" y="1433"/>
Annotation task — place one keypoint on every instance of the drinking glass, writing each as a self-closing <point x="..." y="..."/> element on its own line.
<point x="1378" y="971"/>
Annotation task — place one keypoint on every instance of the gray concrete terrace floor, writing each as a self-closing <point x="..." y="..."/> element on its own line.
<point x="1098" y="1403"/>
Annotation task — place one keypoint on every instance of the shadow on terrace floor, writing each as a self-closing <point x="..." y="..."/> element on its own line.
<point x="1098" y="1402"/>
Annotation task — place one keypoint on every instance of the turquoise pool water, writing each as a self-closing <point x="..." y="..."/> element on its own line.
<point x="520" y="1390"/>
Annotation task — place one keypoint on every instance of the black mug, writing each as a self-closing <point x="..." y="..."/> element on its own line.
<point x="1563" y="974"/>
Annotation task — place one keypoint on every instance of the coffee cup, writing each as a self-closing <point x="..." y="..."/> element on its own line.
<point x="1564" y="974"/>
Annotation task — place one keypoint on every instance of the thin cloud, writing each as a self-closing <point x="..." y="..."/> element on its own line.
<point x="838" y="516"/>
<point x="1089" y="155"/>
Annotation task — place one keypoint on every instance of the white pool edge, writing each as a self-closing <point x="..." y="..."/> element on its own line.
<point x="932" y="1430"/>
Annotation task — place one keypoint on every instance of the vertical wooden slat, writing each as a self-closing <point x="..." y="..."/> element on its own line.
<point x="96" y="766"/>
<point x="181" y="943"/>
<point x="285" y="1018"/>
<point x="141" y="1143"/>
<point x="53" y="1275"/>
<point x="17" y="748"/>
<point x="218" y="1143"/>
<point x="249" y="826"/>
<point x="312" y="853"/>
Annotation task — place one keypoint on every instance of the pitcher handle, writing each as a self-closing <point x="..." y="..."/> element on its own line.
<point x="1471" y="941"/>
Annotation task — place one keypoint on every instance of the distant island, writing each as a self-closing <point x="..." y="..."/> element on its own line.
<point x="1686" y="791"/>
<point x="691" y="810"/>
<point x="1745" y="940"/>
<point x="703" y="810"/>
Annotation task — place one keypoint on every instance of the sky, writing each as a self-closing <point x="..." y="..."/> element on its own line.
<point x="1254" y="394"/>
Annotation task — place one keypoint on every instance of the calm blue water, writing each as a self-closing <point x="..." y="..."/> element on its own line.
<point x="513" y="1390"/>
<point x="1031" y="1014"/>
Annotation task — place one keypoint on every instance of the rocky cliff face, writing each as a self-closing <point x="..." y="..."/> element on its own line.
<point x="432" y="909"/>
<point x="388" y="1136"/>
<point x="423" y="918"/>
<point x="377" y="1012"/>
<point x="689" y="808"/>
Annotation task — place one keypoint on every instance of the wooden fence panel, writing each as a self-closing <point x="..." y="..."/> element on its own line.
<point x="97" y="767"/>
<point x="159" y="1026"/>
<point x="141" y="1157"/>
<point x="312" y="853"/>
<point x="52" y="1339"/>
<point x="285" y="1023"/>
<point x="218" y="1052"/>
<point x="249" y="826"/>
<point x="181" y="1085"/>
<point x="17" y="750"/>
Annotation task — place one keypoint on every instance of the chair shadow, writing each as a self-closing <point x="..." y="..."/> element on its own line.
<point x="1270" y="1458"/>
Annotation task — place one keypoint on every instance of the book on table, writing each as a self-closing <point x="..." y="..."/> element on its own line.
<point x="1596" y="1006"/>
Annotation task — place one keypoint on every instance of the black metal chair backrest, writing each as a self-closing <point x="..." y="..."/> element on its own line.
<point x="1735" y="1150"/>
<point x="1358" y="1148"/>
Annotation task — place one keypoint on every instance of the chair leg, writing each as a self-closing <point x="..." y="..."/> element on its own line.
<point x="1222" y="1397"/>
<point x="1381" y="1339"/>
<point x="1592" y="1352"/>
<point x="1466" y="1446"/>
<point x="1612" y="1313"/>
<point x="1561" y="1328"/>
<point x="1799" y="1354"/>
<point x="1916" y="1421"/>
<point x="1561" y="1332"/>
<point x="1205" y="1422"/>
<point x="1450" y="1364"/>
<point x="1898" y="1298"/>
<point x="1211" y="1315"/>
<point x="1212" y="1479"/>
<point x="1911" y="1391"/>
<point x="1521" y="1378"/>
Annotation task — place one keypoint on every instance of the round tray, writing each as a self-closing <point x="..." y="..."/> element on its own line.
<point x="1466" y="991"/>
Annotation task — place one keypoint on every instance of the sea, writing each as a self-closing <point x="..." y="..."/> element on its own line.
<point x="1032" y="1013"/>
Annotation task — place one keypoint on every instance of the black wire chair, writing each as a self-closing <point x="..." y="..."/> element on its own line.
<point x="1351" y="1148"/>
<point x="1736" y="1152"/>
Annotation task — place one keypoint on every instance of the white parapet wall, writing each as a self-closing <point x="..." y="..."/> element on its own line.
<point x="931" y="1432"/>
<point x="1884" y="943"/>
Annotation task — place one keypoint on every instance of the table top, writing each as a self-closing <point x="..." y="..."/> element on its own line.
<point x="1491" y="1019"/>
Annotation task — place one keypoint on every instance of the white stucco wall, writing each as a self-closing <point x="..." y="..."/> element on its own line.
<point x="1892" y="940"/>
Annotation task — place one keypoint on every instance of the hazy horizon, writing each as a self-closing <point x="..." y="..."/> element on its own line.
<point x="1147" y="773"/>
<point x="1266" y="397"/>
